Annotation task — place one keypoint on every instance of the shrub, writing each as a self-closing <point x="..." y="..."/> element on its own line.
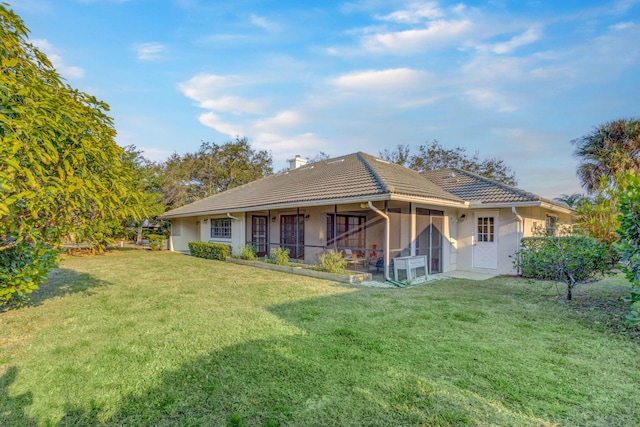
<point x="207" y="250"/>
<point x="247" y="251"/>
<point x="23" y="267"/>
<point x="157" y="242"/>
<point x="332" y="262"/>
<point x="629" y="233"/>
<point x="279" y="256"/>
<point x="568" y="259"/>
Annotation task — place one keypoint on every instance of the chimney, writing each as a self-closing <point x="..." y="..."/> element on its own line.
<point x="297" y="162"/>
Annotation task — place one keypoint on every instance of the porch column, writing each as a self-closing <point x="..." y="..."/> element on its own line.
<point x="387" y="231"/>
<point x="334" y="226"/>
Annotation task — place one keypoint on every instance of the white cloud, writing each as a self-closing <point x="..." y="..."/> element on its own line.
<point x="264" y="23"/>
<point x="284" y="147"/>
<point x="283" y="120"/>
<point x="232" y="104"/>
<point x="373" y="80"/>
<point x="213" y="121"/>
<point x="621" y="26"/>
<point x="489" y="99"/>
<point x="210" y="90"/>
<point x="530" y="36"/>
<point x="203" y="86"/>
<point x="437" y="34"/>
<point x="149" y="51"/>
<point x="416" y="12"/>
<point x="67" y="71"/>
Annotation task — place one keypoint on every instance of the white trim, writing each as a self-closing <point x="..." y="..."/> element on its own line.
<point x="324" y="202"/>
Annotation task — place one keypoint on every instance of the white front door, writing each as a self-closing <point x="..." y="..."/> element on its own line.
<point x="485" y="240"/>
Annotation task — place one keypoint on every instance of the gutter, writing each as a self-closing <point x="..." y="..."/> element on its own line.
<point x="518" y="228"/>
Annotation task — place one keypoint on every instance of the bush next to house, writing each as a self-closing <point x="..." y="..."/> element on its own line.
<point x="279" y="256"/>
<point x="208" y="250"/>
<point x="157" y="242"/>
<point x="570" y="259"/>
<point x="247" y="252"/>
<point x="332" y="262"/>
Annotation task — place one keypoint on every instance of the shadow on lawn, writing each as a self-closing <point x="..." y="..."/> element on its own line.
<point x="12" y="408"/>
<point x="63" y="281"/>
<point x="334" y="370"/>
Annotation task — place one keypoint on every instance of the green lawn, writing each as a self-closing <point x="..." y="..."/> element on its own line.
<point x="157" y="338"/>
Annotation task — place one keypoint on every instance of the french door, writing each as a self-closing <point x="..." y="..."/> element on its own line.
<point x="259" y="235"/>
<point x="292" y="235"/>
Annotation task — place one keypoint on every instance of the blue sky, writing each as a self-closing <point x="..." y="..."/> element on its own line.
<point x="516" y="80"/>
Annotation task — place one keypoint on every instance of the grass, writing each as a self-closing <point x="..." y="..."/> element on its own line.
<point x="156" y="338"/>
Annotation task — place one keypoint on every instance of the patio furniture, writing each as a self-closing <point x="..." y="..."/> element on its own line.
<point x="353" y="260"/>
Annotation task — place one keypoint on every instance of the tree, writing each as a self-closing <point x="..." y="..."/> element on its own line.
<point x="597" y="215"/>
<point x="434" y="156"/>
<point x="139" y="178"/>
<point x="569" y="259"/>
<point x="570" y="200"/>
<point x="609" y="150"/>
<point x="320" y="156"/>
<point x="629" y="233"/>
<point x="212" y="169"/>
<point x="400" y="155"/>
<point x="60" y="167"/>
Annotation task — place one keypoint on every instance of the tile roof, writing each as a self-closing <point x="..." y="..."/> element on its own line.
<point x="357" y="175"/>
<point x="476" y="188"/>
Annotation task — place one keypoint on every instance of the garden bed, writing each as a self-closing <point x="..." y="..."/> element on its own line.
<point x="303" y="270"/>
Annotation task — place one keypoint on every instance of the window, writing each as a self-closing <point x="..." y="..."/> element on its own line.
<point x="345" y="231"/>
<point x="221" y="227"/>
<point x="551" y="224"/>
<point x="485" y="229"/>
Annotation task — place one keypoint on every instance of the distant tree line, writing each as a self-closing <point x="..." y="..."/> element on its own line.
<point x="433" y="156"/>
<point x="212" y="169"/>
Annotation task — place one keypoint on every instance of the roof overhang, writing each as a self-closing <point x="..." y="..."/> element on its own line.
<point x="534" y="203"/>
<point x="322" y="202"/>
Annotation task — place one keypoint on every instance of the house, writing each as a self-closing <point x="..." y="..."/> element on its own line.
<point x="374" y="210"/>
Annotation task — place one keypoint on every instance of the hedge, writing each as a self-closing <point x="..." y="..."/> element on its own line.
<point x="207" y="250"/>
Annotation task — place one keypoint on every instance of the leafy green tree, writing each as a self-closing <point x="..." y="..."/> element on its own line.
<point x="140" y="179"/>
<point x="212" y="169"/>
<point x="60" y="167"/>
<point x="597" y="215"/>
<point x="629" y="233"/>
<point x="568" y="259"/>
<point x="608" y="151"/>
<point x="434" y="156"/>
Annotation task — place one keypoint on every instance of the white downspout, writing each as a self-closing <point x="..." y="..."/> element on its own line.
<point x="519" y="226"/>
<point x="242" y="228"/>
<point x="387" y="233"/>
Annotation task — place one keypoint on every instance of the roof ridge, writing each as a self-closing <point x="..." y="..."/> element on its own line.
<point x="498" y="183"/>
<point x="371" y="169"/>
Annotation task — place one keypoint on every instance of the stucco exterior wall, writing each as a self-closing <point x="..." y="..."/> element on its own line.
<point x="183" y="231"/>
<point x="458" y="228"/>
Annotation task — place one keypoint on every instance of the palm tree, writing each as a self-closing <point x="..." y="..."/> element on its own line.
<point x="570" y="200"/>
<point x="610" y="149"/>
